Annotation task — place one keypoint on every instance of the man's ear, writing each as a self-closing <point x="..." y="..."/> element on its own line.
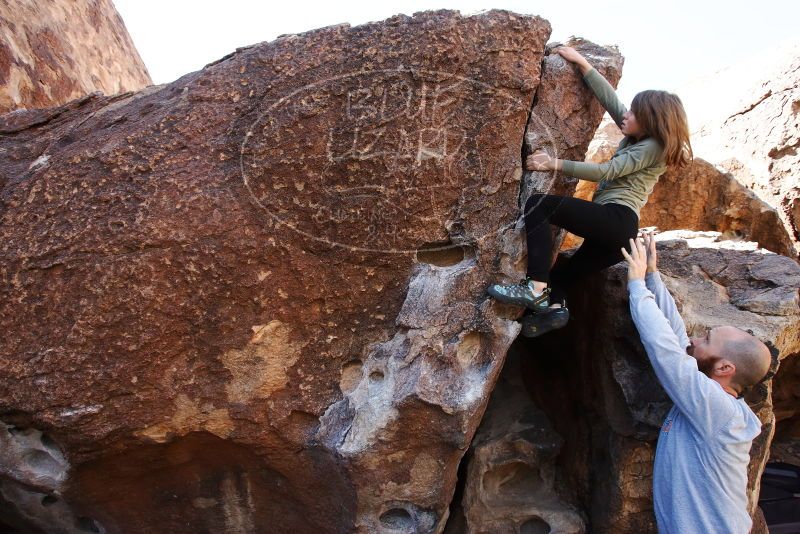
<point x="724" y="367"/>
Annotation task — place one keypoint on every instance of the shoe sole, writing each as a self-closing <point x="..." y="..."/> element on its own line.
<point x="535" y="326"/>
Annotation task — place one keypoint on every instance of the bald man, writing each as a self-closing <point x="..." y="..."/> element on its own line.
<point x="700" y="472"/>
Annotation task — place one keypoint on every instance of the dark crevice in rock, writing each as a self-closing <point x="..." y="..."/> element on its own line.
<point x="444" y="254"/>
<point x="456" y="522"/>
<point x="522" y="489"/>
<point x="33" y="471"/>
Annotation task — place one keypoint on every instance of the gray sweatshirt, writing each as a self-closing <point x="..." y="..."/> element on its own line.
<point x="700" y="472"/>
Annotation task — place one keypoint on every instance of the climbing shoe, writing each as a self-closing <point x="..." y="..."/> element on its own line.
<point x="534" y="325"/>
<point x="521" y="294"/>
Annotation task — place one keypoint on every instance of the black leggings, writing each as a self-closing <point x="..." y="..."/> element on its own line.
<point x="605" y="229"/>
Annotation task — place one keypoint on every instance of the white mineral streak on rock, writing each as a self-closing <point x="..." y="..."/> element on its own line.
<point x="401" y="367"/>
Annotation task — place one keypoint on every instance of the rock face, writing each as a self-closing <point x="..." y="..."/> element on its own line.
<point x="701" y="197"/>
<point x="512" y="482"/>
<point x="254" y="299"/>
<point x="595" y="384"/>
<point x="757" y="140"/>
<point x="558" y="122"/>
<point x="54" y="52"/>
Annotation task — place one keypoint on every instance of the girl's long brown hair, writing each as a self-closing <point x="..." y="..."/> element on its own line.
<point x="661" y="116"/>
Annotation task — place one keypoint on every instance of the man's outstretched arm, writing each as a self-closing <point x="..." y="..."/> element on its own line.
<point x="699" y="398"/>
<point x="663" y="297"/>
<point x="667" y="306"/>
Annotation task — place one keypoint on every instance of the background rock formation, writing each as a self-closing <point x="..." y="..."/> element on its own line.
<point x="53" y="52"/>
<point x="702" y="197"/>
<point x="758" y="138"/>
<point x="755" y="134"/>
<point x="596" y="386"/>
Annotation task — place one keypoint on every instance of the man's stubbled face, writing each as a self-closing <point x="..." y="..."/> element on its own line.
<point x="705" y="350"/>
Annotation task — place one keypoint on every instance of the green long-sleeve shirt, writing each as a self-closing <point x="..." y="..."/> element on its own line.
<point x="629" y="177"/>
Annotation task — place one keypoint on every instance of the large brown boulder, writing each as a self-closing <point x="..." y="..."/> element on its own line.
<point x="57" y="51"/>
<point x="254" y="299"/>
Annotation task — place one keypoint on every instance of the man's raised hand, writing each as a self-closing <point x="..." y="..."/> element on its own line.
<point x="650" y="245"/>
<point x="637" y="260"/>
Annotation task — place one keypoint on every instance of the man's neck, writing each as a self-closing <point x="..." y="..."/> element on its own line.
<point x="726" y="386"/>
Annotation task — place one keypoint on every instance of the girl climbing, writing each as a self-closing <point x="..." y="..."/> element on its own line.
<point x="656" y="136"/>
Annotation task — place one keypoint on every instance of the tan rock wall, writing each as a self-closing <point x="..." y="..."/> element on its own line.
<point x="56" y="51"/>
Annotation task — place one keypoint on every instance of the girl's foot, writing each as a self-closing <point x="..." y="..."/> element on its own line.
<point x="522" y="294"/>
<point x="534" y="325"/>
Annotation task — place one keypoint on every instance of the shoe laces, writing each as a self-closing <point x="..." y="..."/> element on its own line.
<point x="524" y="283"/>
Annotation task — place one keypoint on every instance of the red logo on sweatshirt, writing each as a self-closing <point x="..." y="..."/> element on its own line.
<point x="667" y="425"/>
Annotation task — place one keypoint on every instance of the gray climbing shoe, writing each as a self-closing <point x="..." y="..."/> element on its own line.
<point x="534" y="325"/>
<point x="521" y="294"/>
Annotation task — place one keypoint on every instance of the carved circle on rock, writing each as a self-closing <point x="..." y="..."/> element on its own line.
<point x="401" y="148"/>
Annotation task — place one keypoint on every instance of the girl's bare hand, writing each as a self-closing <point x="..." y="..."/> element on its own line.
<point x="573" y="56"/>
<point x="539" y="161"/>
<point x="570" y="54"/>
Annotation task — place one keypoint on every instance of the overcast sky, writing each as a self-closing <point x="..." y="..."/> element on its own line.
<point x="665" y="44"/>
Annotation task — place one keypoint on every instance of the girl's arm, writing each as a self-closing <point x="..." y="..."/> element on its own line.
<point x="640" y="156"/>
<point x="597" y="83"/>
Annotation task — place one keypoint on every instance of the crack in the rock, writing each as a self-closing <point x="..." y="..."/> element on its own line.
<point x="752" y="106"/>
